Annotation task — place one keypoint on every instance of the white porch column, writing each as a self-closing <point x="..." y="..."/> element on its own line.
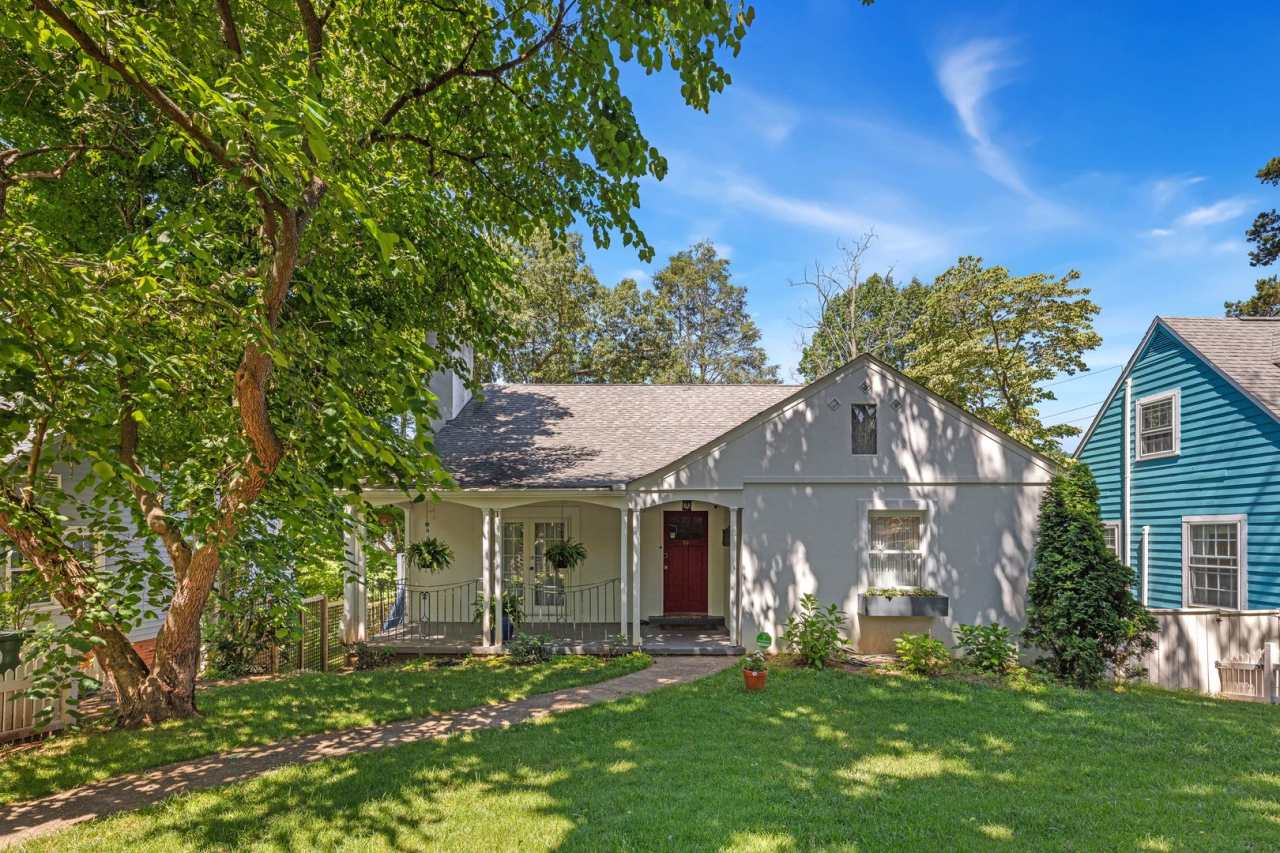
<point x="623" y="515"/>
<point x="734" y="590"/>
<point x="354" y="593"/>
<point x="486" y="576"/>
<point x="635" y="578"/>
<point x="497" y="574"/>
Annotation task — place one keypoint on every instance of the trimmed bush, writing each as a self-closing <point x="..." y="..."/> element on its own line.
<point x="814" y="633"/>
<point x="1080" y="607"/>
<point x="987" y="647"/>
<point x="527" y="649"/>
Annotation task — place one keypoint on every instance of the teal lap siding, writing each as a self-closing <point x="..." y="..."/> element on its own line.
<point x="1228" y="464"/>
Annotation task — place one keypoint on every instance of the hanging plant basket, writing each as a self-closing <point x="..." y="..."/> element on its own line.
<point x="566" y="555"/>
<point x="430" y="555"/>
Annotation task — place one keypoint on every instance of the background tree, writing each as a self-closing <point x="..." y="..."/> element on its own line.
<point x="1080" y="606"/>
<point x="714" y="339"/>
<point x="631" y="339"/>
<point x="988" y="341"/>
<point x="1264" y="234"/>
<point x="351" y="176"/>
<point x="856" y="315"/>
<point x="1265" y="301"/>
<point x="554" y="323"/>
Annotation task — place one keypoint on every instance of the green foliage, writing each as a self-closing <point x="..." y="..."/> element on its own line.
<point x="566" y="554"/>
<point x="714" y="339"/>
<point x="261" y="215"/>
<point x="870" y="315"/>
<point x="987" y="647"/>
<point x="1265" y="301"/>
<point x="512" y="607"/>
<point x="526" y="649"/>
<point x="1080" y="606"/>
<point x="813" y="633"/>
<point x="368" y="657"/>
<point x="988" y="341"/>
<point x="921" y="654"/>
<point x="755" y="661"/>
<point x="431" y="554"/>
<point x="896" y="591"/>
<point x="1264" y="234"/>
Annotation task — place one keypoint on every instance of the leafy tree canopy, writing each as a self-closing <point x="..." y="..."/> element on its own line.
<point x="1265" y="301"/>
<point x="1264" y="234"/>
<point x="234" y="224"/>
<point x="873" y="315"/>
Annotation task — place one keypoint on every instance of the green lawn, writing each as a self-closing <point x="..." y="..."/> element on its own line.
<point x="269" y="710"/>
<point x="820" y="760"/>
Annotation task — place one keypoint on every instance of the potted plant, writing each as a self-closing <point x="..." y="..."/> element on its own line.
<point x="755" y="671"/>
<point x="430" y="555"/>
<point x="512" y="613"/>
<point x="17" y="604"/>
<point x="566" y="555"/>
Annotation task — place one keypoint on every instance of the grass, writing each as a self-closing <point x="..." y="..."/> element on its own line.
<point x="269" y="710"/>
<point x="824" y="760"/>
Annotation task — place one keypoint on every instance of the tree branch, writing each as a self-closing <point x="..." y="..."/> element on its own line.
<point x="230" y="32"/>
<point x="149" y="503"/>
<point x="313" y="28"/>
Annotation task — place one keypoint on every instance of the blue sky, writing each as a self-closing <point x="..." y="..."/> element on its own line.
<point x="1117" y="140"/>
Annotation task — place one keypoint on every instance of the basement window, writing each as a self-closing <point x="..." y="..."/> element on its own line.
<point x="1158" y="434"/>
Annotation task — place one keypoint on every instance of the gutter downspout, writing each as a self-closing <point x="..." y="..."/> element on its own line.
<point x="1128" y="473"/>
<point x="1146" y="561"/>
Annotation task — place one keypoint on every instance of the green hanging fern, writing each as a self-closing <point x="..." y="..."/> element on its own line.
<point x="431" y="555"/>
<point x="567" y="554"/>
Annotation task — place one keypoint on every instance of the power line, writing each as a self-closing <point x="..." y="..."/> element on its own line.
<point x="1076" y="409"/>
<point x="1086" y="373"/>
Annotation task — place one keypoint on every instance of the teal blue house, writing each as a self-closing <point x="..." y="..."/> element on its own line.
<point x="1186" y="452"/>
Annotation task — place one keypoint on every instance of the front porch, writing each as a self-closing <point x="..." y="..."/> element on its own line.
<point x="660" y="577"/>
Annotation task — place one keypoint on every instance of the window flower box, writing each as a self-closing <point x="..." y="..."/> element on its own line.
<point x="905" y="603"/>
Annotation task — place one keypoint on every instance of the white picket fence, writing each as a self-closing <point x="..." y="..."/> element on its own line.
<point x="19" y="714"/>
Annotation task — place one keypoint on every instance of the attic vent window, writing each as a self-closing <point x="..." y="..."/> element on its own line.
<point x="864" y="429"/>
<point x="897" y="404"/>
<point x="833" y="404"/>
<point x="866" y="386"/>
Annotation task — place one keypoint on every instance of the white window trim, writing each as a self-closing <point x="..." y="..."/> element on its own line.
<point x="892" y="506"/>
<point x="1115" y="525"/>
<point x="1242" y="549"/>
<point x="1175" y="395"/>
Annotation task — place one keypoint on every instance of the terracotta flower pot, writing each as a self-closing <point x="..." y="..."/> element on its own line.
<point x="754" y="680"/>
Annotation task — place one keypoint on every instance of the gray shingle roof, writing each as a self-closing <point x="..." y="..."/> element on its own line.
<point x="1246" y="350"/>
<point x="589" y="436"/>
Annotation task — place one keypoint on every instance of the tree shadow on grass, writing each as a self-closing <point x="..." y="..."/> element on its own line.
<point x="818" y="760"/>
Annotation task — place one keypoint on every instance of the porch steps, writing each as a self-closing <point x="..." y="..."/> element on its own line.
<point x="687" y="620"/>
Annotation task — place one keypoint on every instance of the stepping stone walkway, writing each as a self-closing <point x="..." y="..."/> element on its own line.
<point x="24" y="821"/>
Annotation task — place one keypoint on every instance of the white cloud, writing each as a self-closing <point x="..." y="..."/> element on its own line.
<point x="1213" y="214"/>
<point x="967" y="74"/>
<point x="769" y="118"/>
<point x="724" y="250"/>
<point x="1166" y="190"/>
<point x="1160" y="232"/>
<point x="896" y="239"/>
<point x="640" y="276"/>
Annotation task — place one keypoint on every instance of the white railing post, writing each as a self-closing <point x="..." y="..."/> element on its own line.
<point x="486" y="577"/>
<point x="623" y="514"/>
<point x="497" y="576"/>
<point x="1270" y="660"/>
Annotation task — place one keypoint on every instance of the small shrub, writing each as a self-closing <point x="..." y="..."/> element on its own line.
<point x="755" y="662"/>
<point x="987" y="647"/>
<point x="526" y="649"/>
<point x="814" y="633"/>
<point x="898" y="591"/>
<point x="615" y="645"/>
<point x="922" y="654"/>
<point x="371" y="657"/>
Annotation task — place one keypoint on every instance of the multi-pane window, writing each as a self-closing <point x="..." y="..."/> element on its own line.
<point x="897" y="553"/>
<point x="1158" y="426"/>
<point x="1111" y="536"/>
<point x="548" y="581"/>
<point x="1213" y="564"/>
<point x="513" y="556"/>
<point x="864" y="428"/>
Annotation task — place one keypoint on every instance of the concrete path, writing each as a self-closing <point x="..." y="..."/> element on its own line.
<point x="24" y="821"/>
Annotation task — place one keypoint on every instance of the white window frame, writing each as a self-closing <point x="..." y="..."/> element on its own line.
<point x="1115" y="525"/>
<point x="1241" y="521"/>
<point x="528" y="516"/>
<point x="1175" y="397"/>
<point x="880" y="509"/>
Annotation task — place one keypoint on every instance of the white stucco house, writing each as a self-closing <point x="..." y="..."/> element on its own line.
<point x="708" y="511"/>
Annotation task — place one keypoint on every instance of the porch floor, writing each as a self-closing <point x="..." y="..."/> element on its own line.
<point x="457" y="638"/>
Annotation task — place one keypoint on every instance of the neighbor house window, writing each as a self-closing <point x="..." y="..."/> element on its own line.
<point x="864" y="428"/>
<point x="1111" y="536"/>
<point x="18" y="573"/>
<point x="1214" y="555"/>
<point x="1158" y="425"/>
<point x="897" y="551"/>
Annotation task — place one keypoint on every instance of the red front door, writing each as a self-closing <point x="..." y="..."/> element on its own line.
<point x="684" y="561"/>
